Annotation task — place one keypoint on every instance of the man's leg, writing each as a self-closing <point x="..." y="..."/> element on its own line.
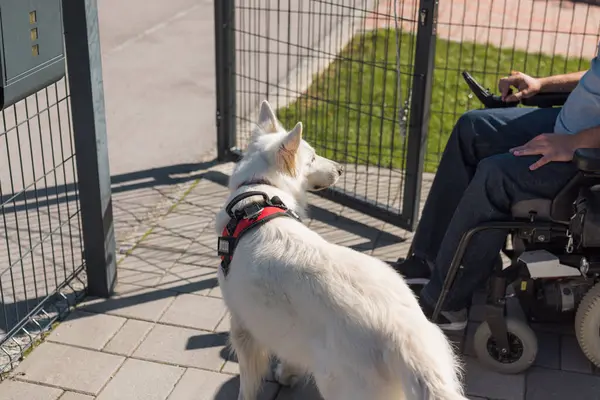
<point x="499" y="182"/>
<point x="477" y="135"/>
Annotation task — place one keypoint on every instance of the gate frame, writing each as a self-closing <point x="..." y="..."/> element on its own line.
<point x="420" y="105"/>
<point x="84" y="74"/>
<point x="420" y="110"/>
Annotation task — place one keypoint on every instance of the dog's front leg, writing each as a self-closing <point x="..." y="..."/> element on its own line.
<point x="253" y="360"/>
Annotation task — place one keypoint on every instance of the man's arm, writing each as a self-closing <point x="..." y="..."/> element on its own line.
<point x="560" y="83"/>
<point x="587" y="139"/>
<point x="528" y="86"/>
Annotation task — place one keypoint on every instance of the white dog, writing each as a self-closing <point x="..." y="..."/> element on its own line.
<point x="345" y="317"/>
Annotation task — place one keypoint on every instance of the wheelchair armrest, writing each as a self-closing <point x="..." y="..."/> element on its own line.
<point x="546" y="100"/>
<point x="587" y="160"/>
<point x="490" y="100"/>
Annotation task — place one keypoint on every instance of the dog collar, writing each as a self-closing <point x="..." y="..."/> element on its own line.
<point x="255" y="182"/>
<point x="249" y="217"/>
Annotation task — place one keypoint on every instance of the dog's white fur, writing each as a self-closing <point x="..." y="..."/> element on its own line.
<point x="343" y="316"/>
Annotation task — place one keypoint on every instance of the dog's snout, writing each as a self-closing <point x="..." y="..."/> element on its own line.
<point x="340" y="169"/>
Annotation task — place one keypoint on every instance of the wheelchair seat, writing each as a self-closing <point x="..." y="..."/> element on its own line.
<point x="525" y="208"/>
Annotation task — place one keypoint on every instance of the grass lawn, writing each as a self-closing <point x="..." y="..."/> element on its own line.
<point x="349" y="113"/>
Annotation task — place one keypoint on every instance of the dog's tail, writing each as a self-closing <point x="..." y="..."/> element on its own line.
<point x="433" y="363"/>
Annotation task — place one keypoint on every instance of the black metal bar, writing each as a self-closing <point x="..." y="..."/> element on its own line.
<point x="419" y="110"/>
<point x="82" y="45"/>
<point x="225" y="77"/>
<point x="495" y="311"/>
<point x="462" y="247"/>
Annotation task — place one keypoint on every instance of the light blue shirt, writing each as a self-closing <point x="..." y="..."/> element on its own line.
<point x="582" y="109"/>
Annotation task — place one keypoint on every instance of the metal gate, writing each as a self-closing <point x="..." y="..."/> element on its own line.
<point x="56" y="235"/>
<point x="377" y="83"/>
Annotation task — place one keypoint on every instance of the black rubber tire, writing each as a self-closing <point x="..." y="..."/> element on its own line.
<point x="587" y="325"/>
<point x="520" y="331"/>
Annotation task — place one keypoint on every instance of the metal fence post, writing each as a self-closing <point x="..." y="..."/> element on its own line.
<point x="420" y="108"/>
<point x="82" y="46"/>
<point x="225" y="77"/>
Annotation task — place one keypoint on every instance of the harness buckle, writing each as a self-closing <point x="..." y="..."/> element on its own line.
<point x="225" y="246"/>
<point x="252" y="211"/>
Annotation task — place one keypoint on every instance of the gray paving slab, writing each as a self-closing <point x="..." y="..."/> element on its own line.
<point x="16" y="390"/>
<point x="547" y="384"/>
<point x="485" y="383"/>
<point x="151" y="258"/>
<point x="231" y="367"/>
<point x="142" y="380"/>
<point x="189" y="278"/>
<point x="128" y="337"/>
<point x="75" y="396"/>
<point x="87" y="330"/>
<point x="194" y="311"/>
<point x="572" y="358"/>
<point x="68" y="367"/>
<point x="184" y="346"/>
<point x="199" y="384"/>
<point x="133" y="302"/>
<point x="224" y="325"/>
<point x="216" y="292"/>
<point x="202" y="252"/>
<point x="549" y="355"/>
<point x="139" y="278"/>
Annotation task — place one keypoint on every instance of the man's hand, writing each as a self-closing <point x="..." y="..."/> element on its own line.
<point x="526" y="85"/>
<point x="552" y="147"/>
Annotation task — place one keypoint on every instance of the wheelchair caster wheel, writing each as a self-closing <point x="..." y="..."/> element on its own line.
<point x="522" y="353"/>
<point x="587" y="325"/>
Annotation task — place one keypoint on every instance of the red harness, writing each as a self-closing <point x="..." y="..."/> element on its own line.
<point x="247" y="218"/>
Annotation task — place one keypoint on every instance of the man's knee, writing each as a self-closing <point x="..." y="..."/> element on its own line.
<point x="471" y="120"/>
<point x="470" y="125"/>
<point x="494" y="169"/>
<point x="493" y="177"/>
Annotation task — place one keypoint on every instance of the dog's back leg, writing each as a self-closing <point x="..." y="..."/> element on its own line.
<point x="253" y="360"/>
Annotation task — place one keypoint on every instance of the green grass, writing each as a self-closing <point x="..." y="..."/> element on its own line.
<point x="348" y="111"/>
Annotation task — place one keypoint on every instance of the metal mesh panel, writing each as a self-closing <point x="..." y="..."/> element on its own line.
<point x="332" y="65"/>
<point x="41" y="263"/>
<point x="344" y="70"/>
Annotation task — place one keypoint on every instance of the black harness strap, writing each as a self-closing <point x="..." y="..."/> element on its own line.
<point x="252" y="217"/>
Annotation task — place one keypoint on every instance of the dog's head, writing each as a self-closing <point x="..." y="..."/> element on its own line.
<point x="283" y="159"/>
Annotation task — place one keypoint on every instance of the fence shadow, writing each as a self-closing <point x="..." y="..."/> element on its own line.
<point x="162" y="176"/>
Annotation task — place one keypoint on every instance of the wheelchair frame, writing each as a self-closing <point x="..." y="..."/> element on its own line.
<point x="495" y="307"/>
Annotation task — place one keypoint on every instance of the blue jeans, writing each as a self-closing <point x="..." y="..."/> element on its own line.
<point x="477" y="181"/>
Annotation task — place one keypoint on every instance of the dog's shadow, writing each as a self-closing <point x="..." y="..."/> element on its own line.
<point x="270" y="391"/>
<point x="229" y="390"/>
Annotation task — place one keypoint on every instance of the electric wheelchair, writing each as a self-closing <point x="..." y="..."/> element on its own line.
<point x="554" y="272"/>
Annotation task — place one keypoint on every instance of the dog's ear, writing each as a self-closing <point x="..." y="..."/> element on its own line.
<point x="286" y="155"/>
<point x="267" y="119"/>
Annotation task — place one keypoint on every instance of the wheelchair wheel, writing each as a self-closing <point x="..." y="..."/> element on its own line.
<point x="523" y="347"/>
<point x="587" y="325"/>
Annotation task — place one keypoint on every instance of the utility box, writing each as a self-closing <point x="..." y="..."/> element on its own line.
<point x="32" y="54"/>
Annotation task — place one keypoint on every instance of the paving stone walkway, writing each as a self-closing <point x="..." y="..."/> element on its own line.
<point x="163" y="335"/>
